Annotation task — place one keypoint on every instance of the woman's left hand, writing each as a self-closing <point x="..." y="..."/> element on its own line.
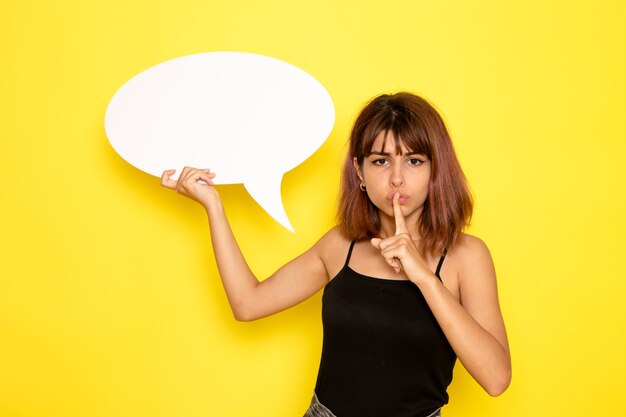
<point x="400" y="251"/>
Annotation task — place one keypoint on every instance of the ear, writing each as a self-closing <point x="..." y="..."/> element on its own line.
<point x="357" y="167"/>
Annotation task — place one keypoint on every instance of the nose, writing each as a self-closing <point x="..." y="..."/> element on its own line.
<point x="397" y="176"/>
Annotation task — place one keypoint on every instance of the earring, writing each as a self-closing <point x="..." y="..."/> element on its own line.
<point x="362" y="187"/>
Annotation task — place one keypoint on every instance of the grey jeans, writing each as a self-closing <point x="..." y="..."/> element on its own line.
<point x="317" y="409"/>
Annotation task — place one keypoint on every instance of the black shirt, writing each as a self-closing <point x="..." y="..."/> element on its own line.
<point x="384" y="354"/>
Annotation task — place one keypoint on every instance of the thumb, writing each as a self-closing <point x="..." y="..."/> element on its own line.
<point x="376" y="242"/>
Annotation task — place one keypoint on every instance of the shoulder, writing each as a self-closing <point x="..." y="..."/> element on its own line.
<point x="472" y="259"/>
<point x="470" y="247"/>
<point x="332" y="242"/>
<point x="332" y="248"/>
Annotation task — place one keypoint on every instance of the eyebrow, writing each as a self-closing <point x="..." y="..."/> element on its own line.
<point x="388" y="154"/>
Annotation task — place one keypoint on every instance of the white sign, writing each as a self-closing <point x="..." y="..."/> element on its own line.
<point x="247" y="117"/>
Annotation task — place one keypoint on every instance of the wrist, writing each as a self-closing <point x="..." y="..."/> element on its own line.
<point x="426" y="282"/>
<point x="213" y="204"/>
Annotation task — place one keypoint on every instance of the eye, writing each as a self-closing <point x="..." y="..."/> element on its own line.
<point x="415" y="161"/>
<point x="379" y="162"/>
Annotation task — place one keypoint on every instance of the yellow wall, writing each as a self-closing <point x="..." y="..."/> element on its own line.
<point x="109" y="300"/>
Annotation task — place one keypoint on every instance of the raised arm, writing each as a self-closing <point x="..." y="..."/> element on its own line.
<point x="249" y="299"/>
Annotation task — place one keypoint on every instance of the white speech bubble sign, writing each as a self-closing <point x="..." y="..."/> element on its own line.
<point x="249" y="118"/>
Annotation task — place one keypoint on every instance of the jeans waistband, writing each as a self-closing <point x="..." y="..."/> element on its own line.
<point x="317" y="409"/>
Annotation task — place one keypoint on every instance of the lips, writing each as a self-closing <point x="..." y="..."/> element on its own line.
<point x="402" y="199"/>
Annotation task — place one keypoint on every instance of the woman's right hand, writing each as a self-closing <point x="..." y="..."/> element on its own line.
<point x="249" y="298"/>
<point x="193" y="183"/>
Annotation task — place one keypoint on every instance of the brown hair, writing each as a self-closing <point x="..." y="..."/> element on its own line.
<point x="416" y="125"/>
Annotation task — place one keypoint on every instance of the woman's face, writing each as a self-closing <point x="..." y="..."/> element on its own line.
<point x="386" y="173"/>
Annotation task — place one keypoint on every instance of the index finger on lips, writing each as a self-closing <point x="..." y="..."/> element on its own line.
<point x="398" y="216"/>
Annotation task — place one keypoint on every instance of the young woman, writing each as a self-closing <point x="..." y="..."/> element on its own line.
<point x="405" y="291"/>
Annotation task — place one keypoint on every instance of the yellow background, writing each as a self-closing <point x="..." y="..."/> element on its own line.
<point x="109" y="300"/>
